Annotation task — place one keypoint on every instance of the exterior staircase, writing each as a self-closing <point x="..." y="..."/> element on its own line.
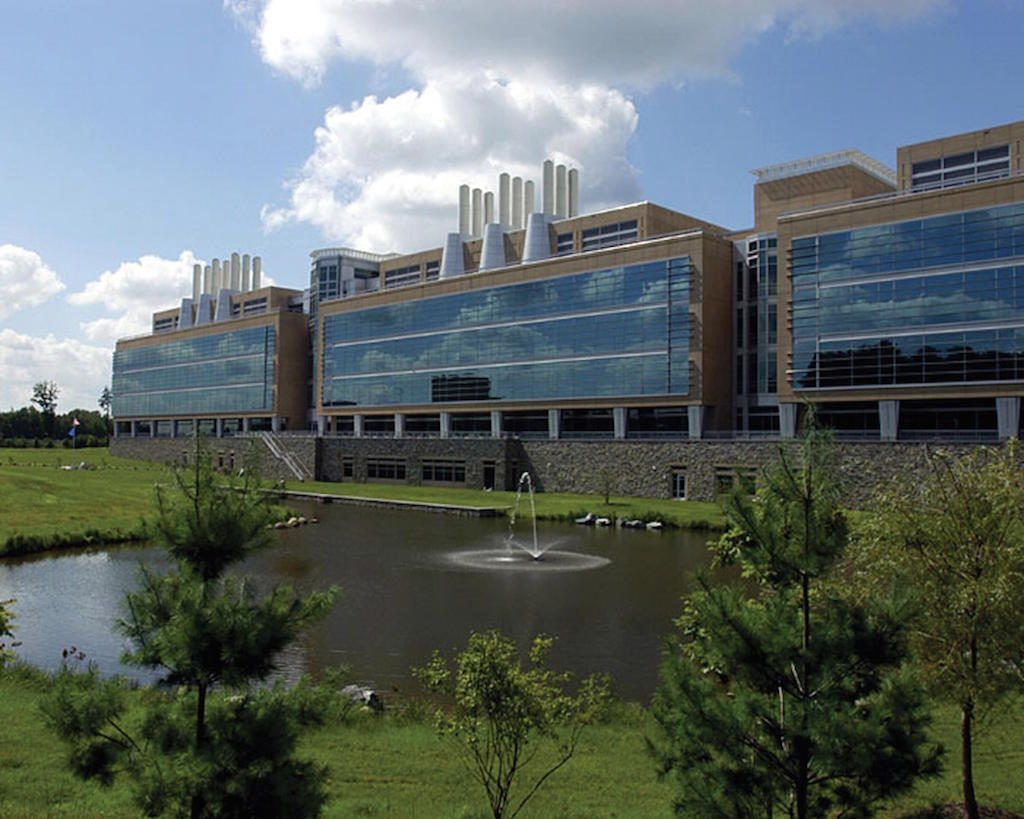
<point x="280" y="451"/>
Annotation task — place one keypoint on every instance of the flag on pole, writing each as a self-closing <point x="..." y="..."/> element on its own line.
<point x="74" y="428"/>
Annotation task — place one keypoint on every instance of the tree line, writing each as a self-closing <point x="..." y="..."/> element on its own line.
<point x="42" y="425"/>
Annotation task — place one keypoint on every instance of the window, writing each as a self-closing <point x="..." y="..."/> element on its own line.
<point x="254" y="306"/>
<point x="402" y="276"/>
<point x="678" y="483"/>
<point x="961" y="169"/>
<point x="610" y="235"/>
<point x="433" y="271"/>
<point x="385" y="469"/>
<point x="444" y="470"/>
<point x="165" y="324"/>
<point x="563" y="244"/>
<point x="347" y="467"/>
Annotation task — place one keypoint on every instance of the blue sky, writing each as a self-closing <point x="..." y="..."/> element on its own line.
<point x="139" y="136"/>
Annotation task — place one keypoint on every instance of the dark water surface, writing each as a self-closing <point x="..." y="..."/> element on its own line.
<point x="411" y="582"/>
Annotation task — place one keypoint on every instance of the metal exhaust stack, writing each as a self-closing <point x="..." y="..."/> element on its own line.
<point x="246" y="279"/>
<point x="503" y="200"/>
<point x="574" y="192"/>
<point x="257" y="270"/>
<point x="452" y="258"/>
<point x="561" y="193"/>
<point x="197" y="282"/>
<point x="548" y="189"/>
<point x="517" y="202"/>
<point x="477" y="225"/>
<point x="464" y="210"/>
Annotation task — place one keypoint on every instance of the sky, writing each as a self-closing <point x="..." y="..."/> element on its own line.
<point x="139" y="137"/>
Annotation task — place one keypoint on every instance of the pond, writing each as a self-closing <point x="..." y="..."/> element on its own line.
<point x="411" y="582"/>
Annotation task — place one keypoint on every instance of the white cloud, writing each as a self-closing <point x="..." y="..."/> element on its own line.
<point x="134" y="291"/>
<point x="25" y="281"/>
<point x="385" y="173"/>
<point x="500" y="86"/>
<point x="80" y="370"/>
<point x="637" y="45"/>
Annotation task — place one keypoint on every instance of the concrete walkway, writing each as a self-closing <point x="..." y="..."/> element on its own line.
<point x="383" y="503"/>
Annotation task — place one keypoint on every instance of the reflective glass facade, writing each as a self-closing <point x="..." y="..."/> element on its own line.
<point x="226" y="372"/>
<point x="616" y="332"/>
<point x="936" y="300"/>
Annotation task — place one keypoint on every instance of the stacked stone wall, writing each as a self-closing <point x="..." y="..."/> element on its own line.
<point x="636" y="468"/>
<point x="226" y="453"/>
<point x="645" y="469"/>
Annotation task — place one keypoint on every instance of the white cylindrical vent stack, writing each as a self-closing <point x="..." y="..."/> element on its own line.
<point x="529" y="200"/>
<point x="246" y="281"/>
<point x="218" y="282"/>
<point x="257" y="271"/>
<point x="488" y="208"/>
<point x="517" y="202"/>
<point x="492" y="254"/>
<point x="477" y="222"/>
<point x="574" y="192"/>
<point x="207" y="280"/>
<point x="503" y="200"/>
<point x="236" y="272"/>
<point x="538" y="238"/>
<point x="548" y="188"/>
<point x="197" y="282"/>
<point x="464" y="209"/>
<point x="561" y="193"/>
<point x="452" y="258"/>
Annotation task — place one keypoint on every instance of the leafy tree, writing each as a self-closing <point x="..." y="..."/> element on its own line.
<point x="220" y="743"/>
<point x="44" y="394"/>
<point x="105" y="400"/>
<point x="513" y="726"/>
<point x="778" y="695"/>
<point x="955" y="538"/>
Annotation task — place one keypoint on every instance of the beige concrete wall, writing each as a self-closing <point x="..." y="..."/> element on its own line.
<point x="843" y="184"/>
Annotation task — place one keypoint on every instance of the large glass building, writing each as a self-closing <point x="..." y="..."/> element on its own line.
<point x="891" y="300"/>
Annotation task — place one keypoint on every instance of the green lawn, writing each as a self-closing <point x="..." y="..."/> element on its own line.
<point x="550" y="506"/>
<point x="40" y="499"/>
<point x="49" y="505"/>
<point x="398" y="767"/>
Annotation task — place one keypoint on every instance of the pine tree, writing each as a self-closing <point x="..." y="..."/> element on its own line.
<point x="219" y="742"/>
<point x="778" y="696"/>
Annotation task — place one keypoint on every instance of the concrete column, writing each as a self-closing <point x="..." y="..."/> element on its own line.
<point x="888" y="420"/>
<point x="133" y="428"/>
<point x="399" y="425"/>
<point x="245" y="425"/>
<point x="321" y="425"/>
<point x="174" y="428"/>
<point x="695" y="419"/>
<point x="495" y="423"/>
<point x="619" y="421"/>
<point x="275" y="423"/>
<point x="446" y="424"/>
<point x="219" y="427"/>
<point x="152" y="428"/>
<point x="1008" y="417"/>
<point x="554" y="424"/>
<point x="357" y="426"/>
<point x="787" y="419"/>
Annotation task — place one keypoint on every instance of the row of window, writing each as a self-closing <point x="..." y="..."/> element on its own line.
<point x="960" y="297"/>
<point x="585" y="334"/>
<point x="565" y="295"/>
<point x="961" y="169"/>
<point x="617" y="233"/>
<point x="951" y="239"/>
<point x="933" y="358"/>
<point x="635" y="374"/>
<point x="229" y="344"/>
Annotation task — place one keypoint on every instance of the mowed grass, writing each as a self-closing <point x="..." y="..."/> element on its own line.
<point x="397" y="767"/>
<point x="550" y="505"/>
<point x="38" y="498"/>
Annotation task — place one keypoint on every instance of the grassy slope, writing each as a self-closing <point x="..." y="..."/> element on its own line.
<point x="388" y="767"/>
<point x="40" y="498"/>
<point x="550" y="506"/>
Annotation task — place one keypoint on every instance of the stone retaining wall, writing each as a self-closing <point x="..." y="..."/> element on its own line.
<point x="637" y="468"/>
